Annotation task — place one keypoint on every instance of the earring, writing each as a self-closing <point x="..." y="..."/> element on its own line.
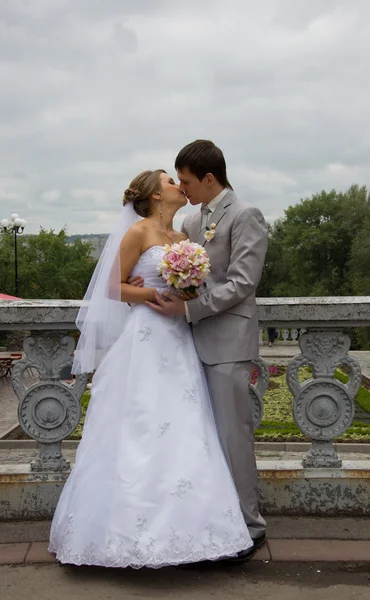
<point x="160" y="210"/>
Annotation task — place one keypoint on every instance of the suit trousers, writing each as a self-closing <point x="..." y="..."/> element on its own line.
<point x="228" y="387"/>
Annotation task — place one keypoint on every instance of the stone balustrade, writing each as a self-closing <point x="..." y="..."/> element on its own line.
<point x="283" y="335"/>
<point x="323" y="407"/>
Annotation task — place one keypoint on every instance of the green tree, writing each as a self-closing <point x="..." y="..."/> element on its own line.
<point x="48" y="265"/>
<point x="359" y="269"/>
<point x="275" y="269"/>
<point x="312" y="249"/>
<point x="359" y="264"/>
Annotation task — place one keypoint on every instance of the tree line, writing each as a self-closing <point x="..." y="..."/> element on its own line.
<point x="49" y="266"/>
<point x="321" y="247"/>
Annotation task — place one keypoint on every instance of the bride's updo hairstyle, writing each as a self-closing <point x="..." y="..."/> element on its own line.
<point x="141" y="190"/>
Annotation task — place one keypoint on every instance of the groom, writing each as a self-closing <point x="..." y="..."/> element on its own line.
<point x="224" y="316"/>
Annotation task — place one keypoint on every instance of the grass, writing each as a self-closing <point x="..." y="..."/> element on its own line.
<point x="85" y="399"/>
<point x="363" y="396"/>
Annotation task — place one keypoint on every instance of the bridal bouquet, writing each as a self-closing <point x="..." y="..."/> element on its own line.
<point x="184" y="266"/>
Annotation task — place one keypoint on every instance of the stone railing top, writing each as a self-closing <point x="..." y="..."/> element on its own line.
<point x="38" y="314"/>
<point x="327" y="312"/>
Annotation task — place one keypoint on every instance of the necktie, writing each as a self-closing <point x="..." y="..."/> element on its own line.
<point x="205" y="210"/>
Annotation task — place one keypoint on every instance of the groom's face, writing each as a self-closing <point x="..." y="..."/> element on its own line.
<point x="196" y="191"/>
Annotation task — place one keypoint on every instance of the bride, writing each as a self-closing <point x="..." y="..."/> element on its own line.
<point x="150" y="486"/>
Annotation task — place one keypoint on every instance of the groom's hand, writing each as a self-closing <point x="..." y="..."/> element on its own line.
<point x="169" y="305"/>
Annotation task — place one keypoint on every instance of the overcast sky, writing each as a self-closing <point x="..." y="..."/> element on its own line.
<point x="94" y="91"/>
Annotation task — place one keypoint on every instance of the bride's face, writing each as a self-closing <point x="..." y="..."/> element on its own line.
<point x="170" y="191"/>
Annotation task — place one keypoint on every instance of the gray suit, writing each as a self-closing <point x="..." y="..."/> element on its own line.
<point x="225" y="329"/>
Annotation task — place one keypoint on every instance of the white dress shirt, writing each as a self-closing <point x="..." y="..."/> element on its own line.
<point x="212" y="205"/>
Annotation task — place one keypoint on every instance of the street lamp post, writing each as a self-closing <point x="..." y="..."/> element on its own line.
<point x="15" y="226"/>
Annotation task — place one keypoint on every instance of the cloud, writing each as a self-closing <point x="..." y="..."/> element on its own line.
<point x="93" y="92"/>
<point x="51" y="196"/>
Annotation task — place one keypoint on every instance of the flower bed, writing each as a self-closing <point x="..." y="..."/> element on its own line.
<point x="278" y="423"/>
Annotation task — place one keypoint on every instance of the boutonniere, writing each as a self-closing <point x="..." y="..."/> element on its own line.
<point x="210" y="232"/>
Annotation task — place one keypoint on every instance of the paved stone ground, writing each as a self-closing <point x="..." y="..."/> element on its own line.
<point x="9" y="404"/>
<point x="278" y="528"/>
<point x="8" y="407"/>
<point x="255" y="580"/>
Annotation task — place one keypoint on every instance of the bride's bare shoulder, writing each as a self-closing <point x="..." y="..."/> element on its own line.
<point x="140" y="226"/>
<point x="139" y="229"/>
<point x="134" y="236"/>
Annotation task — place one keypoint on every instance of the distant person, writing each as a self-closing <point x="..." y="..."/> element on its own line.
<point x="272" y="334"/>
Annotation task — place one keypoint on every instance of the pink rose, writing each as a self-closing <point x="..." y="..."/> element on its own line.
<point x="183" y="263"/>
<point x="188" y="249"/>
<point x="172" y="257"/>
<point x="179" y="263"/>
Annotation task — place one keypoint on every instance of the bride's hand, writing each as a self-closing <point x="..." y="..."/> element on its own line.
<point x="188" y="295"/>
<point x="176" y="292"/>
<point x="136" y="280"/>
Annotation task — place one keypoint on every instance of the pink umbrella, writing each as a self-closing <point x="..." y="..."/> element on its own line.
<point x="6" y="297"/>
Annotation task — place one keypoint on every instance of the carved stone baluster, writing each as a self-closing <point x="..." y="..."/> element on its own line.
<point x="257" y="390"/>
<point x="49" y="410"/>
<point x="294" y="335"/>
<point x="285" y="334"/>
<point x="323" y="407"/>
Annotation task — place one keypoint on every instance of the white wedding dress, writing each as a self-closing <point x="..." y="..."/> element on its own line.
<point x="150" y="486"/>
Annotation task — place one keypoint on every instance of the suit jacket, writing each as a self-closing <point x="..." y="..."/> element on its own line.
<point x="224" y="316"/>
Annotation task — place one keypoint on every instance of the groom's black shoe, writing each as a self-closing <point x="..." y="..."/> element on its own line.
<point x="245" y="555"/>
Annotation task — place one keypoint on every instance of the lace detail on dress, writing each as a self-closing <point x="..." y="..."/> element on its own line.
<point x="141" y="524"/>
<point x="190" y="395"/>
<point x="145" y="333"/>
<point x="230" y="515"/>
<point x="163" y="429"/>
<point x="154" y="251"/>
<point x="182" y="486"/>
<point x="207" y="448"/>
<point x="143" y="551"/>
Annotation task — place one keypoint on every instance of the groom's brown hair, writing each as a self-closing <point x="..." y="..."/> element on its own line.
<point x="202" y="157"/>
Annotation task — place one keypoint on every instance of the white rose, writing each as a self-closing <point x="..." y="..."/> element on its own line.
<point x="209" y="235"/>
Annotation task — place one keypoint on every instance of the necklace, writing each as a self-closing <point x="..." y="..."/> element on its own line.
<point x="163" y="230"/>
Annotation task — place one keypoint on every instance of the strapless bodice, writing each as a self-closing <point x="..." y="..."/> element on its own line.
<point x="146" y="267"/>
